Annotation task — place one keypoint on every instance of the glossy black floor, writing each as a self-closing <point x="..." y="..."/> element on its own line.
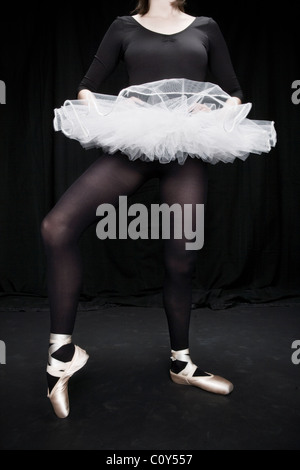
<point x="124" y="400"/>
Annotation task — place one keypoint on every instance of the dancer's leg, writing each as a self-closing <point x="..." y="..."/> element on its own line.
<point x="103" y="182"/>
<point x="181" y="184"/>
<point x="184" y="185"/>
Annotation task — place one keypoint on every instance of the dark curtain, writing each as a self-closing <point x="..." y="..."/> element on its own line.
<point x="252" y="226"/>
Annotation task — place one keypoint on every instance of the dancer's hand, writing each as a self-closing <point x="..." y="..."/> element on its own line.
<point x="85" y="95"/>
<point x="199" y="107"/>
<point x="233" y="101"/>
<point x="137" y="100"/>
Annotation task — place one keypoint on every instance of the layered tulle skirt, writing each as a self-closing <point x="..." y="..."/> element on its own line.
<point x="167" y="120"/>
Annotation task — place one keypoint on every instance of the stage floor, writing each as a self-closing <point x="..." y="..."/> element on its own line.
<point x="124" y="400"/>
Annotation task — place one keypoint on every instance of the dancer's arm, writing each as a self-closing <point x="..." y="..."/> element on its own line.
<point x="221" y="66"/>
<point x="106" y="59"/>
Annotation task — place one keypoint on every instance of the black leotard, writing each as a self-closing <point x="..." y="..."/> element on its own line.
<point x="151" y="56"/>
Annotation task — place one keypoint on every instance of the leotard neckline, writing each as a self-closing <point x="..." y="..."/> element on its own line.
<point x="164" y="34"/>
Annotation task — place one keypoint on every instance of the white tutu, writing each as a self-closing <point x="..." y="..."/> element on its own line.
<point x="166" y="120"/>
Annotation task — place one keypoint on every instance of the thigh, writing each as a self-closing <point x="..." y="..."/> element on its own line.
<point x="104" y="181"/>
<point x="184" y="184"/>
<point x="186" y="187"/>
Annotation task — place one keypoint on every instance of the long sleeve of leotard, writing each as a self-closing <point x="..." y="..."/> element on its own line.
<point x="106" y="59"/>
<point x="219" y="61"/>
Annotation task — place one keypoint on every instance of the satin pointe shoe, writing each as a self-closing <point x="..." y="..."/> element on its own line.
<point x="210" y="383"/>
<point x="59" y="396"/>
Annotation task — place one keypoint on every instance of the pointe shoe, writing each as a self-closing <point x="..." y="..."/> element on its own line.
<point x="59" y="396"/>
<point x="210" y="383"/>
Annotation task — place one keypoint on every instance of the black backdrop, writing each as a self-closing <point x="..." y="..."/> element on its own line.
<point x="251" y="251"/>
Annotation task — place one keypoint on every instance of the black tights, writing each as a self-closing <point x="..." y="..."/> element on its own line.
<point x="103" y="182"/>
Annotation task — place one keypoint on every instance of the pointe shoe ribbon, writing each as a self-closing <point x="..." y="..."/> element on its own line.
<point x="210" y="383"/>
<point x="59" y="396"/>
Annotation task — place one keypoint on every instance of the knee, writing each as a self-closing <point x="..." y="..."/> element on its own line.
<point x="53" y="231"/>
<point x="180" y="265"/>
